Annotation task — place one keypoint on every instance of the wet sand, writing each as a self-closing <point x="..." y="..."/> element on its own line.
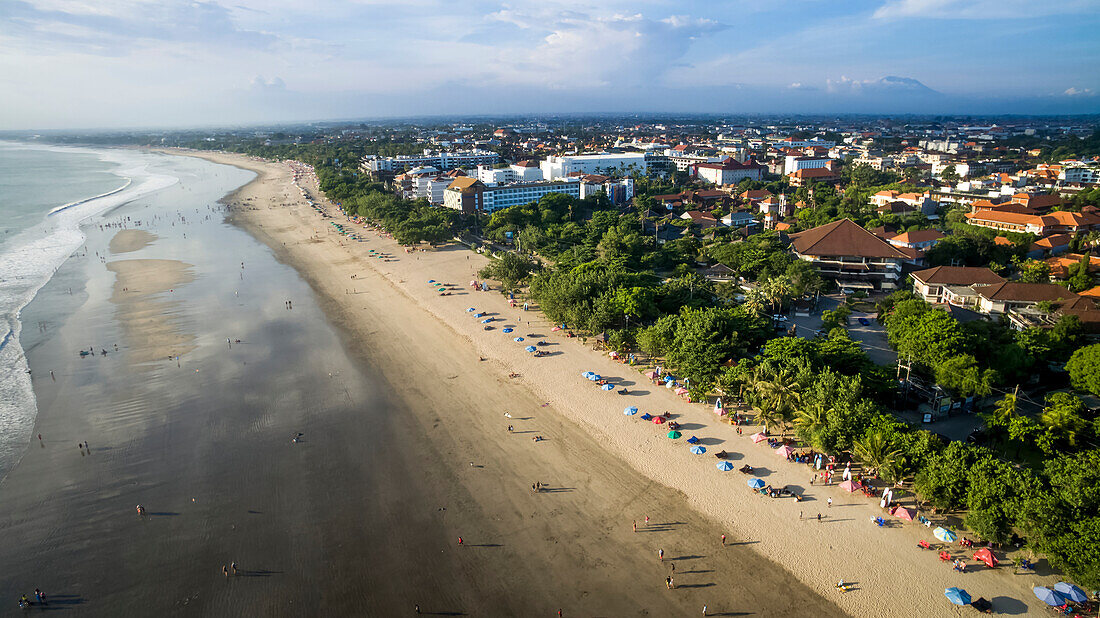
<point x="404" y="449"/>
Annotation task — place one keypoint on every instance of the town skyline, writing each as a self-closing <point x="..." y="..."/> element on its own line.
<point x="170" y="63"/>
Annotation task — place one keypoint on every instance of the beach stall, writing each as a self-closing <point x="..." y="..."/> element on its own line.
<point x="758" y="437"/>
<point x="850" y="486"/>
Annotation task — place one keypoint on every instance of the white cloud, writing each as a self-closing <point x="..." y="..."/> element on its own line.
<point x="1079" y="92"/>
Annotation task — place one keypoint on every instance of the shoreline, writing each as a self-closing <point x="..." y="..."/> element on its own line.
<point x="816" y="554"/>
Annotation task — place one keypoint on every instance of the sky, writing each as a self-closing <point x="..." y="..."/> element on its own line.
<point x="175" y="63"/>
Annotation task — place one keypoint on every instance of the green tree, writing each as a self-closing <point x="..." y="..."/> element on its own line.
<point x="877" y="451"/>
<point x="950" y="175"/>
<point x="1063" y="418"/>
<point x="1033" y="271"/>
<point x="961" y="375"/>
<point x="944" y="479"/>
<point x="995" y="496"/>
<point x="1084" y="369"/>
<point x="511" y="270"/>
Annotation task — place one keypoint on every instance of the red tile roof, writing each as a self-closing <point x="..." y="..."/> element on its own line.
<point x="957" y="275"/>
<point x="844" y="238"/>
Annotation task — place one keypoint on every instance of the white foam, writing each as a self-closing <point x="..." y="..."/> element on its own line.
<point x="28" y="262"/>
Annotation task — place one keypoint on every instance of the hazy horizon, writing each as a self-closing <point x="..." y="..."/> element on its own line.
<point x="71" y="64"/>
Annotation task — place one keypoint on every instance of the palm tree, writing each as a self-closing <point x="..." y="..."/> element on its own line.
<point x="772" y="419"/>
<point x="755" y="300"/>
<point x="1000" y="417"/>
<point x="810" y="420"/>
<point x="876" y="452"/>
<point x="779" y="391"/>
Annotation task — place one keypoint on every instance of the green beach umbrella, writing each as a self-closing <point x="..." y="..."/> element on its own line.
<point x="674" y="434"/>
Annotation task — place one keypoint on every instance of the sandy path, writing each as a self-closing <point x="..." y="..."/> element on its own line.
<point x="883" y="561"/>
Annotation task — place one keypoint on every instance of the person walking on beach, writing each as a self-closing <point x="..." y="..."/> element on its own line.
<point x="233" y="567"/>
<point x="460" y="540"/>
<point x="635" y="525"/>
<point x="647" y="520"/>
<point x="723" y="540"/>
<point x="416" y="608"/>
<point x="668" y="582"/>
<point x="661" y="555"/>
<point x="830" y="502"/>
<point x="819" y="518"/>
<point x="704" y="610"/>
<point x="225" y="570"/>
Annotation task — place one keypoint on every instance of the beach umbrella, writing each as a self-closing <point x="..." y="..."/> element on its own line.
<point x="613" y="354"/>
<point x="657" y="420"/>
<point x="507" y="330"/>
<point x="647" y="417"/>
<point x="958" y="596"/>
<point x="753" y="483"/>
<point x="944" y="535"/>
<point x="470" y="310"/>
<point x="986" y="556"/>
<point x="607" y="387"/>
<point x="784" y="451"/>
<point x="479" y="315"/>
<point x="675" y="435"/>
<point x="1048" y="596"/>
<point x="669" y="379"/>
<point x="903" y="513"/>
<point x="681" y="391"/>
<point x="586" y="374"/>
<point x="849" y="486"/>
<point x="1071" y="592"/>
<point x="693" y="440"/>
<point x="594" y="377"/>
<point x="429" y="280"/>
<point x="758" y="437"/>
<point x="555" y="329"/>
<point x="652" y="375"/>
<point x="725" y="466"/>
<point x="530" y="348"/>
<point x="517" y="339"/>
<point x="487" y="320"/>
<point x="697" y="450"/>
<point x="441" y="290"/>
<point x="630" y="411"/>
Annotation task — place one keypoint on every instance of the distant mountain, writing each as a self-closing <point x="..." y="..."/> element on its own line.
<point x="898" y="84"/>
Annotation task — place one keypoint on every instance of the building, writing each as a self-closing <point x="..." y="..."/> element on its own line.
<point x="813" y="174"/>
<point x="1009" y="296"/>
<point x="739" y="218"/>
<point x="793" y="163"/>
<point x="728" y="172"/>
<point x="554" y="168"/>
<point x="1080" y="174"/>
<point x="953" y="285"/>
<point x="438" y="160"/>
<point x="523" y="171"/>
<point x="922" y="240"/>
<point x="1058" y="222"/>
<point x="618" y="190"/>
<point x="1050" y="245"/>
<point x="465" y="195"/>
<point x="505" y="196"/>
<point x="855" y="258"/>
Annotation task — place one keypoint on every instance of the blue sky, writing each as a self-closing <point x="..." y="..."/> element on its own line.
<point x="104" y="63"/>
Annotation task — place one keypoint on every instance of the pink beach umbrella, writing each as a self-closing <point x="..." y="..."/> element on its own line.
<point x="903" y="513"/>
<point x="652" y="375"/>
<point x="784" y="451"/>
<point x="613" y="354"/>
<point x="758" y="437"/>
<point x="681" y="391"/>
<point x="849" y="486"/>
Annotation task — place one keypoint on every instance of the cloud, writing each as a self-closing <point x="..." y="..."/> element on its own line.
<point x="979" y="9"/>
<point x="883" y="85"/>
<point x="1079" y="92"/>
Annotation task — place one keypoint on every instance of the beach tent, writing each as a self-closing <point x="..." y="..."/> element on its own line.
<point x="758" y="437"/>
<point x="675" y="435"/>
<point x="725" y="466"/>
<point x="903" y="513"/>
<point x="753" y="483"/>
<point x="1071" y="592"/>
<point x="530" y="348"/>
<point x="784" y="451"/>
<point x="607" y="387"/>
<point x="631" y="411"/>
<point x="958" y="596"/>
<point x="693" y="440"/>
<point x="1048" y="596"/>
<point x="658" y="420"/>
<point x="986" y="556"/>
<point x="944" y="535"/>
<point x="849" y="486"/>
<point x="698" y="450"/>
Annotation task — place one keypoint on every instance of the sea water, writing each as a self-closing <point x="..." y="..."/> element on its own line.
<point x="46" y="193"/>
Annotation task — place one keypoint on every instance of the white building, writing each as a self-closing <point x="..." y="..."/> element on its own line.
<point x="440" y="160"/>
<point x="496" y="198"/>
<point x="554" y="168"/>
<point x="793" y="163"/>
<point x="729" y="172"/>
<point x="523" y="171"/>
<point x="1082" y="174"/>
<point x="618" y="191"/>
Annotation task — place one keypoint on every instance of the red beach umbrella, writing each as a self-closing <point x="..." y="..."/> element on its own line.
<point x="986" y="556"/>
<point x="657" y="420"/>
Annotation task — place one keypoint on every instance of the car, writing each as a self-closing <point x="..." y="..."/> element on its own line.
<point x="779" y="318"/>
<point x="865" y="321"/>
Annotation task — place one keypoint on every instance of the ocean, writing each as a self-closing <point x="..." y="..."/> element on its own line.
<point x="46" y="193"/>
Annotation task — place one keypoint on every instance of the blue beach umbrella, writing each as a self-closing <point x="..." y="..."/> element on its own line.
<point x="487" y="320"/>
<point x="958" y="596"/>
<point x="630" y="411"/>
<point x="479" y="315"/>
<point x="594" y="377"/>
<point x="470" y="310"/>
<point x="1071" y="592"/>
<point x="530" y="348"/>
<point x="647" y="417"/>
<point x="693" y="440"/>
<point x="944" y="535"/>
<point x="754" y="483"/>
<point x="518" y="339"/>
<point x="429" y="280"/>
<point x="507" y="330"/>
<point x="698" y="450"/>
<point x="725" y="466"/>
<point x="607" y="387"/>
<point x="1048" y="596"/>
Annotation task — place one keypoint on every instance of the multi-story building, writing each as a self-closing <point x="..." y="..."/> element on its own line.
<point x="504" y="196"/>
<point x="728" y="172"/>
<point x="557" y="167"/>
<point x="1080" y="174"/>
<point x="953" y="285"/>
<point x="522" y="171"/>
<point x="439" y="160"/>
<point x="793" y="163"/>
<point x="618" y="190"/>
<point x="465" y="195"/>
<point x="850" y="255"/>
